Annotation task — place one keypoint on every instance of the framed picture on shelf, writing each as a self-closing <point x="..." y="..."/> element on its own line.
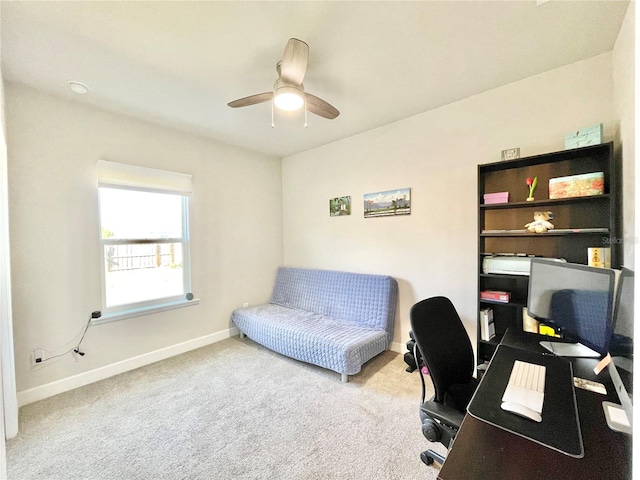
<point x="510" y="154"/>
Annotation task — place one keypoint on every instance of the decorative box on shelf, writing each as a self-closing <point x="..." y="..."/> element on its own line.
<point x="497" y="197"/>
<point x="495" y="295"/>
<point x="584" y="137"/>
<point x="583" y="185"/>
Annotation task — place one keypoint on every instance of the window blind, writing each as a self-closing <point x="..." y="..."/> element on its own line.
<point x="142" y="178"/>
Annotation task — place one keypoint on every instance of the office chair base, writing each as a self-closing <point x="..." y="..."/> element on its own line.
<point x="429" y="456"/>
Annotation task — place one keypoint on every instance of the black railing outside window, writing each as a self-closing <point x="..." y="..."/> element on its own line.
<point x="138" y="256"/>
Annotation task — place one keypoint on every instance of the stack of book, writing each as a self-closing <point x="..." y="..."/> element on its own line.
<point x="487" y="327"/>
<point x="495" y="295"/>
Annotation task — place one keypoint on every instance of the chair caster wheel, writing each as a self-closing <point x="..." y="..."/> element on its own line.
<point x="431" y="430"/>
<point x="426" y="458"/>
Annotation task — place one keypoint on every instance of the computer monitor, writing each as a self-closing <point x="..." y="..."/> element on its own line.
<point x="577" y="301"/>
<point x="622" y="341"/>
<point x="620" y="417"/>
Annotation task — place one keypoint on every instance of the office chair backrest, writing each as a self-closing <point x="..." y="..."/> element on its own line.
<point x="443" y="343"/>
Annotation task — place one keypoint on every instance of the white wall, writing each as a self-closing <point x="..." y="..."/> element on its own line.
<point x="624" y="104"/>
<point x="433" y="250"/>
<point x="625" y="69"/>
<point x="236" y="232"/>
<point x="8" y="400"/>
<point x="6" y="357"/>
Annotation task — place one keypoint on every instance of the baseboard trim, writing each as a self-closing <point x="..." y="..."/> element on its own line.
<point x="47" y="390"/>
<point x="398" y="347"/>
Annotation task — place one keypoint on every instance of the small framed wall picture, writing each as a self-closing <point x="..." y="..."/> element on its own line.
<point x="339" y="206"/>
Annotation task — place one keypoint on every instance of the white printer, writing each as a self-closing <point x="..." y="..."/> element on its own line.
<point x="510" y="264"/>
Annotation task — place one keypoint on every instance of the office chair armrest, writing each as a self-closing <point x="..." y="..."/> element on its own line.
<point x="443" y="413"/>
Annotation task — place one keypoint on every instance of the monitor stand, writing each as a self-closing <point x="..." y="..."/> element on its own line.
<point x="562" y="349"/>
<point x="619" y="416"/>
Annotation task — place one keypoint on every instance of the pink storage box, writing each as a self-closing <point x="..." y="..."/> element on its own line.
<point x="498" y="197"/>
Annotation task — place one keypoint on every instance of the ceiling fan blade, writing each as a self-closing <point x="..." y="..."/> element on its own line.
<point x="320" y="107"/>
<point x="294" y="61"/>
<point x="251" y="100"/>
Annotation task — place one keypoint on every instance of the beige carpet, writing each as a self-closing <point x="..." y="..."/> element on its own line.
<point x="230" y="410"/>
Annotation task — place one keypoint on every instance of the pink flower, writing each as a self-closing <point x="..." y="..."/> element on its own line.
<point x="529" y="181"/>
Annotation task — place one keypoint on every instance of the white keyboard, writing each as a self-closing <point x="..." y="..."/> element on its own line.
<point x="526" y="385"/>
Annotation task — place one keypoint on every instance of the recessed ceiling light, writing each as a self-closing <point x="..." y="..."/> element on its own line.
<point x="79" y="88"/>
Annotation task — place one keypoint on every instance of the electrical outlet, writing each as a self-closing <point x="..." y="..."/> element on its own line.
<point x="245" y="304"/>
<point x="37" y="356"/>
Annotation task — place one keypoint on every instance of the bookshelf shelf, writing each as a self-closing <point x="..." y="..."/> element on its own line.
<point x="550" y="233"/>
<point x="543" y="203"/>
<point x="495" y="341"/>
<point x="502" y="275"/>
<point x="512" y="303"/>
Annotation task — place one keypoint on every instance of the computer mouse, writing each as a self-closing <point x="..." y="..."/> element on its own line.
<point x="522" y="411"/>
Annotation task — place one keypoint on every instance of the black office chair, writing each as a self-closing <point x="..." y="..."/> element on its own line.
<point x="446" y="349"/>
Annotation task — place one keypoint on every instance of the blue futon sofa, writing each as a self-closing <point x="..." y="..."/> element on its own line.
<point x="336" y="320"/>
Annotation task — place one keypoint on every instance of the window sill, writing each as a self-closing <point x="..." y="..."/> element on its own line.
<point x="138" y="312"/>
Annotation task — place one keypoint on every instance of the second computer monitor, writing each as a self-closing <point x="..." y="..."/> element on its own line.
<point x="576" y="299"/>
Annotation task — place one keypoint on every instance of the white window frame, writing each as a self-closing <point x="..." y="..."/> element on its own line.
<point x="128" y="177"/>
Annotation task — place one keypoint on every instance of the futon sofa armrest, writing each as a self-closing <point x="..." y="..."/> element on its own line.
<point x="443" y="413"/>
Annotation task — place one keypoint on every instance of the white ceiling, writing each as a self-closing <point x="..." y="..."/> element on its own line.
<point x="179" y="63"/>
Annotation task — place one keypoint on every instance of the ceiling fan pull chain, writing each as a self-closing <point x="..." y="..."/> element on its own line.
<point x="305" y="113"/>
<point x="272" y="122"/>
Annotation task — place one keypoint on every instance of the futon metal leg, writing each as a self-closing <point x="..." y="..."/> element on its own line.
<point x="345" y="378"/>
<point x="241" y="334"/>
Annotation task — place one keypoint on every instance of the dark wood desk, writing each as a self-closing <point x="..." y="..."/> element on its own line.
<point x="482" y="451"/>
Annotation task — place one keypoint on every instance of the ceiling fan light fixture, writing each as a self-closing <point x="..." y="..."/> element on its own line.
<point x="288" y="92"/>
<point x="288" y="98"/>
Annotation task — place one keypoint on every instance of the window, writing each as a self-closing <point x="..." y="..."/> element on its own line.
<point x="144" y="235"/>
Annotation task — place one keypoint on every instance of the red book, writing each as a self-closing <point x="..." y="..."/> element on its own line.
<point x="495" y="295"/>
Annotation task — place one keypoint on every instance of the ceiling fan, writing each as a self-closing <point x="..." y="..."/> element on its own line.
<point x="288" y="92"/>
